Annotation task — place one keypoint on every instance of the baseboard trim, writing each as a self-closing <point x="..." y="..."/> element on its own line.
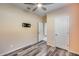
<point x="74" y="52"/>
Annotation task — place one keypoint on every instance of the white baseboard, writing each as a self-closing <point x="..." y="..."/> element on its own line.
<point x="74" y="52"/>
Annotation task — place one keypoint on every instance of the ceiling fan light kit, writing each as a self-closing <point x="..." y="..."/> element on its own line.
<point x="35" y="6"/>
<point x="39" y="5"/>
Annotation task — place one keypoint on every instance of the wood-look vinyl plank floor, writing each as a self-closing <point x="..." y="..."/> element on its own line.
<point x="40" y="49"/>
<point x="59" y="52"/>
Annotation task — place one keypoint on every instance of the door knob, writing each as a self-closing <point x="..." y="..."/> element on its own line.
<point x="56" y="34"/>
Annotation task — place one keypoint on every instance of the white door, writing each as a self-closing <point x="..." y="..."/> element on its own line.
<point x="40" y="31"/>
<point x="61" y="31"/>
<point x="45" y="32"/>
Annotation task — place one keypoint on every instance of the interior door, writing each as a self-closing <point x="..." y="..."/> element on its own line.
<point x="45" y="32"/>
<point x="40" y="31"/>
<point x="62" y="31"/>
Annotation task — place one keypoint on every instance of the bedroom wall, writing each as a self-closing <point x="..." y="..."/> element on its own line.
<point x="74" y="33"/>
<point x="74" y="26"/>
<point x="12" y="35"/>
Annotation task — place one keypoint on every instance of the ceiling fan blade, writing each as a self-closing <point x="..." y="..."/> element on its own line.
<point x="29" y="3"/>
<point x="47" y="3"/>
<point x="28" y="8"/>
<point x="44" y="8"/>
<point x="34" y="9"/>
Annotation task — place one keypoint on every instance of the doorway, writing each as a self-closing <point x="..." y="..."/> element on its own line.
<point x="42" y="31"/>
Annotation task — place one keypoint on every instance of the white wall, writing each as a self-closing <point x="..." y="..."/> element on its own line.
<point x="12" y="35"/>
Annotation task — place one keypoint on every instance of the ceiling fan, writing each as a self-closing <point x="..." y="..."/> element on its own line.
<point x="37" y="5"/>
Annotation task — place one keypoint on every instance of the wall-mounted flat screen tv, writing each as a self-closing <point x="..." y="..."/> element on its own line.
<point x="26" y="25"/>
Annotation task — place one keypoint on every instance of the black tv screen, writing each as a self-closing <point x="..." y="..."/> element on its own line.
<point x="26" y="25"/>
